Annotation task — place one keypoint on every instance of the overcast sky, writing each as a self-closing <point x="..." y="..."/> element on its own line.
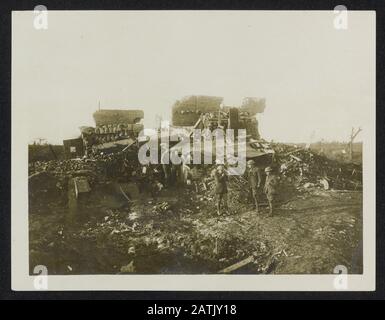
<point x="314" y="78"/>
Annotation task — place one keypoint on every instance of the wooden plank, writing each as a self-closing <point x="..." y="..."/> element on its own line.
<point x="238" y="265"/>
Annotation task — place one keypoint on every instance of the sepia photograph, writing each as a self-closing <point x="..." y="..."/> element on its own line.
<point x="193" y="150"/>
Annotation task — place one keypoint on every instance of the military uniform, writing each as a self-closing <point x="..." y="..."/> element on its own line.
<point x="270" y="189"/>
<point x="254" y="178"/>
<point x="220" y="182"/>
<point x="165" y="160"/>
<point x="220" y="188"/>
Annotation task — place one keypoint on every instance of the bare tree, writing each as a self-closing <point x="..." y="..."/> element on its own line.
<point x="353" y="135"/>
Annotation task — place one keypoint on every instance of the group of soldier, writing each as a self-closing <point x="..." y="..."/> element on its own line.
<point x="254" y="178"/>
<point x="181" y="172"/>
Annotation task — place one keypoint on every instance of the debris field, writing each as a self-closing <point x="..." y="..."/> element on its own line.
<point x="132" y="223"/>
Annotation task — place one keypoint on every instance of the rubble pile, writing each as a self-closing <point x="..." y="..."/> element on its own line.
<point x="305" y="168"/>
<point x="161" y="208"/>
<point x="110" y="165"/>
<point x="178" y="224"/>
<point x="50" y="182"/>
<point x="193" y="238"/>
<point x="135" y="237"/>
<point x="226" y="248"/>
<point x="59" y="168"/>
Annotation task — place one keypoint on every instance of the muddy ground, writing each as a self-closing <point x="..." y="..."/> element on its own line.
<point x="178" y="231"/>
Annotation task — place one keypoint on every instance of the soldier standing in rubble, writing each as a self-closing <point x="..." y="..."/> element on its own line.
<point x="126" y="168"/>
<point x="270" y="188"/>
<point x="62" y="185"/>
<point x="176" y="167"/>
<point x="165" y="161"/>
<point x="221" y="179"/>
<point x="253" y="175"/>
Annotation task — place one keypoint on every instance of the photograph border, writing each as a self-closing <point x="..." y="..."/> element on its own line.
<point x="19" y="283"/>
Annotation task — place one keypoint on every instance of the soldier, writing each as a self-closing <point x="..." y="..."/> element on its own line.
<point x="270" y="188"/>
<point x="120" y="130"/>
<point x="221" y="179"/>
<point x="62" y="185"/>
<point x="126" y="168"/>
<point x="254" y="178"/>
<point x="165" y="161"/>
<point x="176" y="167"/>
